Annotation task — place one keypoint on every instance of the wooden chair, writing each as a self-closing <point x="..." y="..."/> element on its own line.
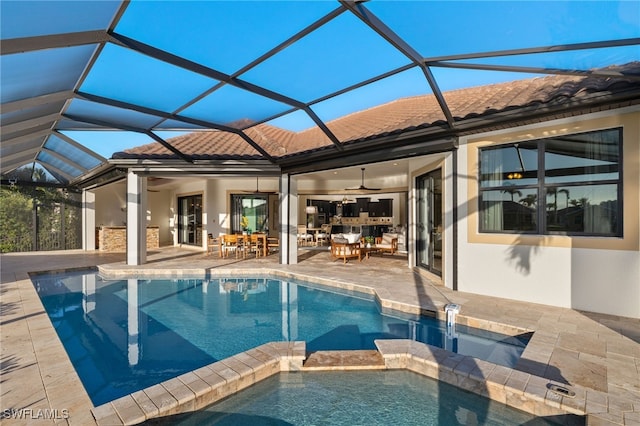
<point x="323" y="236"/>
<point x="256" y="243"/>
<point x="233" y="243"/>
<point x="304" y="238"/>
<point x="388" y="243"/>
<point x="214" y="243"/>
<point x="345" y="250"/>
<point x="273" y="244"/>
<point x="244" y="244"/>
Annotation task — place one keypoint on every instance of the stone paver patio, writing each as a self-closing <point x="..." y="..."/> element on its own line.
<point x="596" y="355"/>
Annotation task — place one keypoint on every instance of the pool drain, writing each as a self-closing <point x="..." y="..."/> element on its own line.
<point x="561" y="390"/>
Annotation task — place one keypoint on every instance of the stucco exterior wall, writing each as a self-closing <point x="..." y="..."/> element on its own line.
<point x="158" y="214"/>
<point x="110" y="205"/>
<point x="216" y="196"/>
<point x="111" y="209"/>
<point x="587" y="273"/>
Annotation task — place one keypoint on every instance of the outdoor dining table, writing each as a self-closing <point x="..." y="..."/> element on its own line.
<point x="240" y="243"/>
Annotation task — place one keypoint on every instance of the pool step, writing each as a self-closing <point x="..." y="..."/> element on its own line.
<point x="344" y="360"/>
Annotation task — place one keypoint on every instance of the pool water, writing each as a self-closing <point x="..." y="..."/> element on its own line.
<point x="394" y="397"/>
<point x="126" y="335"/>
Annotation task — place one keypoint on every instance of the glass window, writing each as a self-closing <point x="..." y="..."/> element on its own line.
<point x="578" y="176"/>
<point x="508" y="165"/>
<point x="588" y="209"/>
<point x="585" y="157"/>
<point x="509" y="209"/>
<point x="250" y="213"/>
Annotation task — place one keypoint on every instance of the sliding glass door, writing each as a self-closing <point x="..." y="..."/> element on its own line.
<point x="429" y="221"/>
<point x="190" y="220"/>
<point x="250" y="213"/>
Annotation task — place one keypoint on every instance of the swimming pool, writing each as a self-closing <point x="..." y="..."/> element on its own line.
<point x="369" y="398"/>
<point x="126" y="335"/>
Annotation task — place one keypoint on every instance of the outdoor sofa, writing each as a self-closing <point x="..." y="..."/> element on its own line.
<point x="345" y="246"/>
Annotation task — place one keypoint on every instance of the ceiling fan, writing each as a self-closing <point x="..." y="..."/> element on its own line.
<point x="344" y="200"/>
<point x="257" y="190"/>
<point x="362" y="187"/>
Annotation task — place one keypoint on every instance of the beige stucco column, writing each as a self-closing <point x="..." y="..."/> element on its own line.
<point x="288" y="220"/>
<point x="136" y="219"/>
<point x="88" y="220"/>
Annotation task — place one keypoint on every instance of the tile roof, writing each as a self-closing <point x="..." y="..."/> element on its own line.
<point x="552" y="93"/>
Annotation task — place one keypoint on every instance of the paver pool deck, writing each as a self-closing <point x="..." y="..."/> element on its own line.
<point x="597" y="355"/>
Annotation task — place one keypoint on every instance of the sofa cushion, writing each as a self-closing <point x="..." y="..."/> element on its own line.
<point x="387" y="238"/>
<point x="352" y="237"/>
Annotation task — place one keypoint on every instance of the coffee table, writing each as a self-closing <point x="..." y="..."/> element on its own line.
<point x="366" y="251"/>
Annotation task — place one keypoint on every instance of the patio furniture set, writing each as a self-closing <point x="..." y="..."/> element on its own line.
<point x="354" y="246"/>
<point x="242" y="245"/>
<point x="342" y="246"/>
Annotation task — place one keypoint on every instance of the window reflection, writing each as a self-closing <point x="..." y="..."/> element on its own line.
<point x="509" y="209"/>
<point x="583" y="209"/>
<point x="580" y="185"/>
<point x="585" y="157"/>
<point x="509" y="165"/>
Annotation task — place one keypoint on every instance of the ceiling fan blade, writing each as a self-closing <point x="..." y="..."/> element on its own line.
<point x="257" y="191"/>
<point x="362" y="187"/>
<point x="365" y="188"/>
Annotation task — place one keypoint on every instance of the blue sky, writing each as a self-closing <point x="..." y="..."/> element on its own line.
<point x="227" y="35"/>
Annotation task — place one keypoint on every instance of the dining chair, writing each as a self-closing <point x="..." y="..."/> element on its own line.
<point x="214" y="243"/>
<point x="257" y="243"/>
<point x="230" y="244"/>
<point x="304" y="237"/>
<point x="324" y="234"/>
<point x="273" y="244"/>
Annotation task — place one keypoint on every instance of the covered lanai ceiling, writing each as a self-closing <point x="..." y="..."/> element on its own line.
<point x="81" y="80"/>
